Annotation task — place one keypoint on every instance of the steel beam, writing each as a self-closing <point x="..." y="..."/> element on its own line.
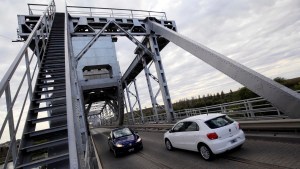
<point x="12" y="131"/>
<point x="161" y="78"/>
<point x="88" y="46"/>
<point x="153" y="100"/>
<point x="283" y="98"/>
<point x="129" y="103"/>
<point x="138" y="100"/>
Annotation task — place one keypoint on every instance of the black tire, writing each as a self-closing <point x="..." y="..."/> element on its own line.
<point x="239" y="147"/>
<point x="116" y="154"/>
<point x="109" y="147"/>
<point x="169" y="145"/>
<point x="142" y="147"/>
<point x="205" y="152"/>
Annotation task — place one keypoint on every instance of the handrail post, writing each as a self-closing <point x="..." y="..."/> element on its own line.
<point x="28" y="74"/>
<point x="11" y="123"/>
<point x="37" y="51"/>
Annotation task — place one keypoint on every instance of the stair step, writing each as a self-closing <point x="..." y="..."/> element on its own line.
<point x="53" y="69"/>
<point x="57" y="38"/>
<point x="51" y="91"/>
<point x="52" y="78"/>
<point x="56" y="45"/>
<point x="46" y="61"/>
<point x="58" y="57"/>
<point x="53" y="84"/>
<point x="45" y="161"/>
<point x="50" y="99"/>
<point x="55" y="117"/>
<point x="52" y="73"/>
<point x="57" y="107"/>
<point x="46" y="145"/>
<point x="54" y="51"/>
<point x="55" y="55"/>
<point x="56" y="41"/>
<point x="54" y="64"/>
<point x="47" y="131"/>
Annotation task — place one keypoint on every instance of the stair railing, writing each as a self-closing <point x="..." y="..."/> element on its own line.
<point x="72" y="131"/>
<point x="38" y="37"/>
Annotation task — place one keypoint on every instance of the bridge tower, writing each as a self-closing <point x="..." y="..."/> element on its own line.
<point x="77" y="69"/>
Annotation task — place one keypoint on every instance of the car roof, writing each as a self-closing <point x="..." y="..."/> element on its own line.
<point x="119" y="128"/>
<point x="203" y="117"/>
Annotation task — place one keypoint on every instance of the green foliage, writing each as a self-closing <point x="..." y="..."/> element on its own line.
<point x="218" y="98"/>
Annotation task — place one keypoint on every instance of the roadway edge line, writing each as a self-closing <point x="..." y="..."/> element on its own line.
<point x="97" y="155"/>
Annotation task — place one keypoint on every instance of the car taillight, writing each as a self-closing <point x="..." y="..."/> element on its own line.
<point x="212" y="136"/>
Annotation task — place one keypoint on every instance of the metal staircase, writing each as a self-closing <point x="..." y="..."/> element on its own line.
<point x="48" y="147"/>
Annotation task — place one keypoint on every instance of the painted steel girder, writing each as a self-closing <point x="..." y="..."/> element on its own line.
<point x="283" y="98"/>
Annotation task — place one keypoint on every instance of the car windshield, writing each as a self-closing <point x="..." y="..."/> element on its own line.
<point x="122" y="132"/>
<point x="219" y="122"/>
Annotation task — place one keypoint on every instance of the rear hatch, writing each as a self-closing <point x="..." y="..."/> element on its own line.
<point x="224" y="126"/>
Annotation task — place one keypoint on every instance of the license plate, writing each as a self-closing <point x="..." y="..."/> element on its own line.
<point x="131" y="150"/>
<point x="233" y="141"/>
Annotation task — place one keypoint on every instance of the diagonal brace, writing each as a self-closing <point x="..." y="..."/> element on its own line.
<point x="88" y="46"/>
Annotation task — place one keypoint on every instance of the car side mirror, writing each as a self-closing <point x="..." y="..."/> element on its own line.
<point x="171" y="131"/>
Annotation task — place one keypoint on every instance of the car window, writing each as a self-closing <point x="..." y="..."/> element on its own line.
<point x="122" y="132"/>
<point x="219" y="122"/>
<point x="191" y="126"/>
<point x="178" y="127"/>
<point x="186" y="126"/>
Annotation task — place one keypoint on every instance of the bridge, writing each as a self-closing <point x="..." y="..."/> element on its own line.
<point x="70" y="93"/>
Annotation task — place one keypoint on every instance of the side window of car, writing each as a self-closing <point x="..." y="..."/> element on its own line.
<point x="191" y="126"/>
<point x="179" y="127"/>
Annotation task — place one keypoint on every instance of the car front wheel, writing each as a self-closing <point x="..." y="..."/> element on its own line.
<point x="205" y="152"/>
<point x="168" y="145"/>
<point x="116" y="154"/>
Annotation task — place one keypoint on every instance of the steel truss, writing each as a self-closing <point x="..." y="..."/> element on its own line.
<point x="135" y="94"/>
<point x="283" y="98"/>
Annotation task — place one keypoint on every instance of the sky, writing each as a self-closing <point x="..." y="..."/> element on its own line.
<point x="260" y="34"/>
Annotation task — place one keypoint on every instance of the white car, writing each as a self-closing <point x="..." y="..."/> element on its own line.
<point x="208" y="134"/>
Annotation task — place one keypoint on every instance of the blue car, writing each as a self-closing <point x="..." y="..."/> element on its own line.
<point x="124" y="140"/>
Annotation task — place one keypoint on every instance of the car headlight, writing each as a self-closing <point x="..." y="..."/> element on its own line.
<point x="139" y="139"/>
<point x="119" y="145"/>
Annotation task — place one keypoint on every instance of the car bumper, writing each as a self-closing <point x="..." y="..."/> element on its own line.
<point x="133" y="147"/>
<point x="220" y="146"/>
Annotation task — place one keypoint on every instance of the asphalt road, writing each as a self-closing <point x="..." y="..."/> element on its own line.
<point x="253" y="154"/>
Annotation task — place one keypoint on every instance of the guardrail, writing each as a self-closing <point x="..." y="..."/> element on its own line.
<point x="114" y="12"/>
<point x="292" y="125"/>
<point x="39" y="35"/>
<point x="248" y="109"/>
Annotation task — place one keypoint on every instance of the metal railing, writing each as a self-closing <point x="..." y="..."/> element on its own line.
<point x="249" y="109"/>
<point x="38" y="36"/>
<point x="114" y="12"/>
<point x="39" y="8"/>
<point x="73" y="151"/>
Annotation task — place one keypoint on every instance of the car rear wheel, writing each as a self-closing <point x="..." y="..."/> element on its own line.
<point x="169" y="145"/>
<point x="205" y="152"/>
